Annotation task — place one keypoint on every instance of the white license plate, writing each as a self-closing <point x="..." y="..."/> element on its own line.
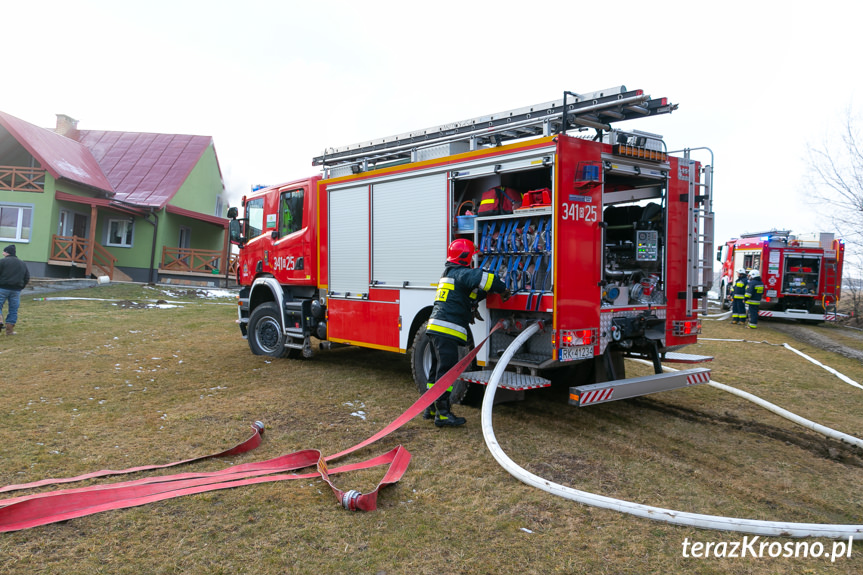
<point x="572" y="353"/>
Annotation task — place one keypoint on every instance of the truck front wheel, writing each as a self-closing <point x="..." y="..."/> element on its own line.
<point x="266" y="336"/>
<point x="726" y="296"/>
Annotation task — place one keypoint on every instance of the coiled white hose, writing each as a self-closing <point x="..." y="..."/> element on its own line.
<point x="767" y="528"/>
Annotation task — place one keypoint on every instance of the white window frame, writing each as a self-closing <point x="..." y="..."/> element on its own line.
<point x="19" y="226"/>
<point x="130" y="233"/>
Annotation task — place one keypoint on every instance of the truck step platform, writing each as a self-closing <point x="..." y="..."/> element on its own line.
<point x="509" y="380"/>
<point x="635" y="386"/>
<point x="674" y="357"/>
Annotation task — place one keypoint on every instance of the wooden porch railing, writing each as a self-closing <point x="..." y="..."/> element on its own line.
<point x="196" y="261"/>
<point x="74" y="250"/>
<point x="21" y="179"/>
<point x="104" y="261"/>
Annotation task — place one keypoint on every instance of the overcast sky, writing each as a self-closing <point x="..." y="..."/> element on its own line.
<point x="275" y="82"/>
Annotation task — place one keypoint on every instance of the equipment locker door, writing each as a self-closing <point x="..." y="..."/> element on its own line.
<point x="349" y="242"/>
<point x="409" y="238"/>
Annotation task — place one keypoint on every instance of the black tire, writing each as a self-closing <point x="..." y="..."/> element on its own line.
<point x="600" y="368"/>
<point x="421" y="360"/>
<point x="727" y="296"/>
<point x="265" y="332"/>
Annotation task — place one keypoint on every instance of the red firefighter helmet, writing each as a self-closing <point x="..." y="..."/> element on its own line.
<point x="460" y="252"/>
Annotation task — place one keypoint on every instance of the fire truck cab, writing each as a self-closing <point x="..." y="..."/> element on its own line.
<point x="607" y="243"/>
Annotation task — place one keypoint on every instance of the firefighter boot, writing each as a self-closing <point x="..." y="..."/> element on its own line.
<point x="429" y="412"/>
<point x="10" y="329"/>
<point x="443" y="416"/>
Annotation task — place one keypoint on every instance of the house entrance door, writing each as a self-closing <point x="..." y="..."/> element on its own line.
<point x="80" y="226"/>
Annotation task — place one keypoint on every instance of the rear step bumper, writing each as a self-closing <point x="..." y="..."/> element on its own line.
<point x="675" y="357"/>
<point x="509" y="380"/>
<point x="798" y="314"/>
<point x="635" y="386"/>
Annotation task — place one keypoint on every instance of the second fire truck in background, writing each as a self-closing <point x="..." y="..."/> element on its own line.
<point x="802" y="274"/>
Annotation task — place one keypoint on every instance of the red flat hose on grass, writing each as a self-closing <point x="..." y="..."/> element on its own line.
<point x="50" y="507"/>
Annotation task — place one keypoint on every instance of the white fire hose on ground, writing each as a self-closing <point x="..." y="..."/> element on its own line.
<point x="841" y="376"/>
<point x="767" y="528"/>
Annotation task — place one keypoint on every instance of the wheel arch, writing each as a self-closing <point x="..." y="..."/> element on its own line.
<point x="267" y="289"/>
<point x="420" y="318"/>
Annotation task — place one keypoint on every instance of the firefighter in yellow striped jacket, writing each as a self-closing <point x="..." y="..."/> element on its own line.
<point x="460" y="289"/>
<point x="738" y="303"/>
<point x="754" y="291"/>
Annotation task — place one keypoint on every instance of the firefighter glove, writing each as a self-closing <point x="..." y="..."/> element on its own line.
<point x="505" y="295"/>
<point x="476" y="315"/>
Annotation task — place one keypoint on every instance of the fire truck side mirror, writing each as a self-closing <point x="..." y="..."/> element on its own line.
<point x="235" y="230"/>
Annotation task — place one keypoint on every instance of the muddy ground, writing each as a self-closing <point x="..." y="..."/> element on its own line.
<point x="821" y="340"/>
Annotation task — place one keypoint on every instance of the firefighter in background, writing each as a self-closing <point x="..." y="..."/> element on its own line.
<point x="738" y="303"/>
<point x="460" y="288"/>
<point x="754" y="291"/>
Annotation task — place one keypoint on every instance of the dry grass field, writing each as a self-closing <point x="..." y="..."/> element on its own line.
<point x="92" y="384"/>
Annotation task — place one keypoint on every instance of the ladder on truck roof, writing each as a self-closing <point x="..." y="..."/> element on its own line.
<point x="574" y="111"/>
<point x="774" y="233"/>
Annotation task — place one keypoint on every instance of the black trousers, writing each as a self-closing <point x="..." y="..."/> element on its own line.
<point x="738" y="309"/>
<point x="444" y="356"/>
<point x="753" y="314"/>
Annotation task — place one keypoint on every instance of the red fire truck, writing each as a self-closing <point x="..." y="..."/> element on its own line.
<point x="609" y="244"/>
<point x="802" y="274"/>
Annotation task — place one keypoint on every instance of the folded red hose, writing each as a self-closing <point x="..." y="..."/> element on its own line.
<point x="28" y="511"/>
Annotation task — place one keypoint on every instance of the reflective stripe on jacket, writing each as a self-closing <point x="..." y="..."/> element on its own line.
<point x="740" y="288"/>
<point x="754" y="291"/>
<point x="459" y="289"/>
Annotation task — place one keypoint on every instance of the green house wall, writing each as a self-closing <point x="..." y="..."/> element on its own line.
<point x="201" y="189"/>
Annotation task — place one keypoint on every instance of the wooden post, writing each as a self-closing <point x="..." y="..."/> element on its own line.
<point x="226" y="265"/>
<point x="94" y="212"/>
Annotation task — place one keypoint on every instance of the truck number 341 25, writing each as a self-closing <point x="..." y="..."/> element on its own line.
<point x="578" y="212"/>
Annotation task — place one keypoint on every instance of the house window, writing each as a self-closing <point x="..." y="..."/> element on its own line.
<point x="290" y="212"/>
<point x="120" y="233"/>
<point x="15" y="222"/>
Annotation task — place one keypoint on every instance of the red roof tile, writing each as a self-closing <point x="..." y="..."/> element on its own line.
<point x="139" y="168"/>
<point x="60" y="156"/>
<point x="145" y="169"/>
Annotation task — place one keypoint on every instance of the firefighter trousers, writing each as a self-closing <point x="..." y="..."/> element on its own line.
<point x="738" y="310"/>
<point x="753" y="314"/>
<point x="444" y="356"/>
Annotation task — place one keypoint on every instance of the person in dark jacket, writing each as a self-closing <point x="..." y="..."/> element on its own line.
<point x="754" y="291"/>
<point x="738" y="303"/>
<point x="460" y="289"/>
<point x="13" y="277"/>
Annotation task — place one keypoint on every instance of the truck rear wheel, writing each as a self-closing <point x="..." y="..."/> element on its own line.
<point x="421" y="362"/>
<point x="266" y="336"/>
